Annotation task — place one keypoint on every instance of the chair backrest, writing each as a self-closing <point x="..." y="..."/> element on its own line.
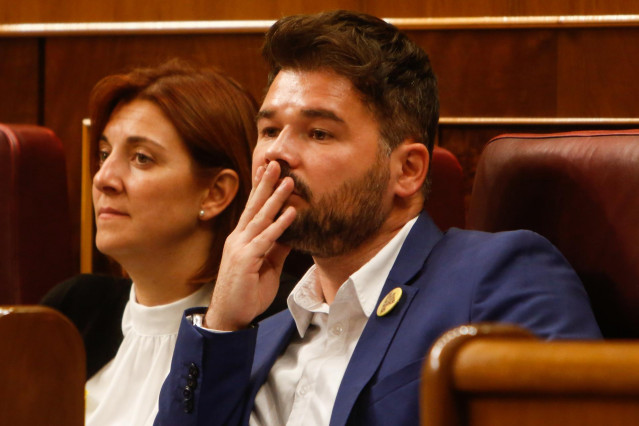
<point x="492" y="375"/>
<point x="445" y="203"/>
<point x="579" y="190"/>
<point x="42" y="368"/>
<point x="35" y="242"/>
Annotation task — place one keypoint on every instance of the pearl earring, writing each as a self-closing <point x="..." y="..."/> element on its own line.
<point x="201" y="213"/>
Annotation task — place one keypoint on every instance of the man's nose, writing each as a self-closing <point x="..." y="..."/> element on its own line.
<point x="283" y="149"/>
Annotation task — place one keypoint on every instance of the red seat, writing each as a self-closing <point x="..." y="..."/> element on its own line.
<point x="581" y="191"/>
<point x="35" y="243"/>
<point x="445" y="203"/>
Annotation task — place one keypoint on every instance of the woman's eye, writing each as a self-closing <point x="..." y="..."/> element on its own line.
<point x="102" y="156"/>
<point x="142" y="159"/>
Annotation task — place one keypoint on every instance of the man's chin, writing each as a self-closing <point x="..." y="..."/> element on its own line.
<point x="296" y="239"/>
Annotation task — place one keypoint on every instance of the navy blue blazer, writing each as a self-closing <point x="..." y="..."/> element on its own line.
<point x="449" y="279"/>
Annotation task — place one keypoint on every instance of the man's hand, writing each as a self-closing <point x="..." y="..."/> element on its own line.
<point x="252" y="259"/>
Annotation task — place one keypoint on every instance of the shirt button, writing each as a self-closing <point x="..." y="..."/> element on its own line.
<point x="337" y="329"/>
<point x="303" y="390"/>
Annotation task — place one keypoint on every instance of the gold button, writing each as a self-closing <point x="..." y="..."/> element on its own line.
<point x="389" y="302"/>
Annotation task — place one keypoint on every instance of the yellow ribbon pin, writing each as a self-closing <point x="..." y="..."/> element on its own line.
<point x="389" y="302"/>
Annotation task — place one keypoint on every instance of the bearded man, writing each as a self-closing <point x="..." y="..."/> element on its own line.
<point x="340" y="171"/>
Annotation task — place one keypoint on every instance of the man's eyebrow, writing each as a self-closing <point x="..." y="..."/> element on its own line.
<point x="264" y="113"/>
<point x="310" y="113"/>
<point x="322" y="113"/>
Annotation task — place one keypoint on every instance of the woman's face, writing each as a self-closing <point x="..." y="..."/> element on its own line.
<point x="145" y="194"/>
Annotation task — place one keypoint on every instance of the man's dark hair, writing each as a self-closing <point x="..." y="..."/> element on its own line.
<point x="391" y="72"/>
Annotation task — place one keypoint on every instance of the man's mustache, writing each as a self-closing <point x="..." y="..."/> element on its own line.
<point x="301" y="188"/>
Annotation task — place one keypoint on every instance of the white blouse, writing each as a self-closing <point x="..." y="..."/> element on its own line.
<point x="126" y="390"/>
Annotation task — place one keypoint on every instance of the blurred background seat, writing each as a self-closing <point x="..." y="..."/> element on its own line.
<point x="445" y="203"/>
<point x="581" y="191"/>
<point x="499" y="375"/>
<point x="42" y="366"/>
<point x="35" y="241"/>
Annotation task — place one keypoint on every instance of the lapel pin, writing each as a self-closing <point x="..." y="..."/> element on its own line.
<point x="389" y="302"/>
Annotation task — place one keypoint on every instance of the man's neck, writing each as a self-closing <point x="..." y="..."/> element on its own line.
<point x="332" y="272"/>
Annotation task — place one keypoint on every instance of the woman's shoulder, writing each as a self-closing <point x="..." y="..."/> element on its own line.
<point x="86" y="297"/>
<point x="88" y="290"/>
<point x="94" y="304"/>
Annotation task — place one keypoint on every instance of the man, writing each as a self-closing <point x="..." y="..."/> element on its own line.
<point x="340" y="171"/>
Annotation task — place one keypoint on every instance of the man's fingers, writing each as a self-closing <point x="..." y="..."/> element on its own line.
<point x="261" y="245"/>
<point x="256" y="180"/>
<point x="269" y="210"/>
<point x="263" y="187"/>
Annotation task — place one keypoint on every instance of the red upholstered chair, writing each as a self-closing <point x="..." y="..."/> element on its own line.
<point x="35" y="244"/>
<point x="581" y="191"/>
<point x="446" y="200"/>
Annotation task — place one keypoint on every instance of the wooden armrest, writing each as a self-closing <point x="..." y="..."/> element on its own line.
<point x="42" y="366"/>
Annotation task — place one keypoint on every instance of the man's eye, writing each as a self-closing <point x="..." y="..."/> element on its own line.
<point x="269" y="132"/>
<point x="319" y="135"/>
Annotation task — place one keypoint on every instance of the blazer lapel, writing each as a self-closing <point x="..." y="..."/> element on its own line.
<point x="379" y="331"/>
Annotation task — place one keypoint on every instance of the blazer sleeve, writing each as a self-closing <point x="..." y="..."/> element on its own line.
<point x="208" y="383"/>
<point x="525" y="280"/>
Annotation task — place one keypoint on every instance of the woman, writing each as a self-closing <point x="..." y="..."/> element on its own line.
<point x="173" y="176"/>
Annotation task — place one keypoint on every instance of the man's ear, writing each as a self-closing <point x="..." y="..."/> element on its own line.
<point x="411" y="160"/>
<point x="219" y="194"/>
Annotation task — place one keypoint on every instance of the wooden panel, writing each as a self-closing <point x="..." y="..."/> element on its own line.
<point x="166" y="10"/>
<point x="151" y="10"/>
<point x="493" y="72"/>
<point x="19" y="81"/>
<point x="499" y="7"/>
<point x="597" y="73"/>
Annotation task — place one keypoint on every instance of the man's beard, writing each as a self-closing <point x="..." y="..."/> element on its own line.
<point x="343" y="219"/>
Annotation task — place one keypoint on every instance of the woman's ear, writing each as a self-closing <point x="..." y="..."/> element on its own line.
<point x="412" y="161"/>
<point x="220" y="193"/>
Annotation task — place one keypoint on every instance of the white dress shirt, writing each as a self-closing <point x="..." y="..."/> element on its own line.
<point x="126" y="390"/>
<point x="303" y="383"/>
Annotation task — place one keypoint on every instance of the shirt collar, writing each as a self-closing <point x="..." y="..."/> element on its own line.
<point x="368" y="281"/>
<point x="161" y="319"/>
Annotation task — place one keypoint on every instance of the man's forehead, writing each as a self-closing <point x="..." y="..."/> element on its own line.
<point x="320" y="93"/>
